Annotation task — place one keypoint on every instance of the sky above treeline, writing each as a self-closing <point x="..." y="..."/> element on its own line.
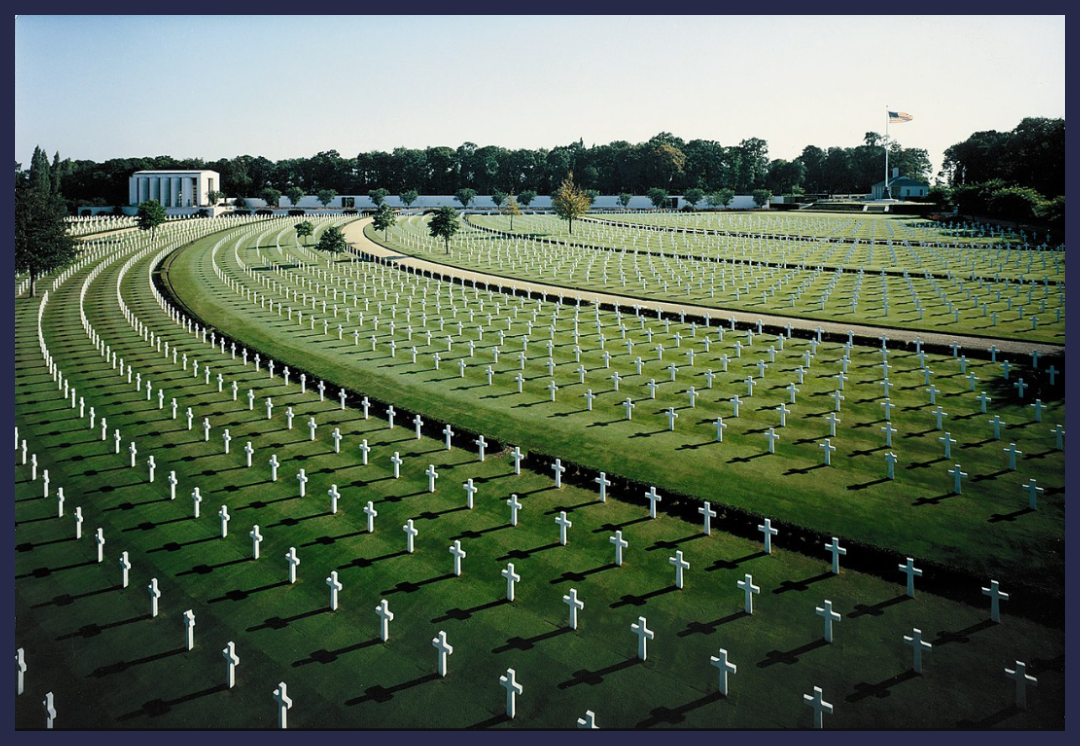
<point x="101" y="87"/>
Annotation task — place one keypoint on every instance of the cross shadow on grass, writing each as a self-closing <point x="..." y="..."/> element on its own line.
<point x="329" y="656"/>
<point x="723" y="564"/>
<point x="240" y="595"/>
<point x="611" y="527"/>
<point x="207" y="569"/>
<point x="66" y="599"/>
<point x="1009" y="517"/>
<point x="93" y="630"/>
<point x="881" y="689"/>
<point x="790" y="657"/>
<point x="463" y="614"/>
<point x="674" y="543"/>
<point x="594" y="678"/>
<point x="121" y="666"/>
<point x="879" y="608"/>
<point x="642" y="599"/>
<point x="524" y="554"/>
<point x="276" y="622"/>
<point x="408" y="586"/>
<point x="801" y="585"/>
<point x="44" y="572"/>
<point x="521" y="643"/>
<point x="963" y="636"/>
<point x="707" y="628"/>
<point x="157" y="707"/>
<point x="578" y="577"/>
<point x="674" y="716"/>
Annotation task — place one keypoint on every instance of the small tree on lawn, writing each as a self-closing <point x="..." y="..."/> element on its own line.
<point x="326" y="196"/>
<point x="384" y="219"/>
<point x="444" y="224"/>
<point x="213" y="197"/>
<point x="761" y="197"/>
<point x="407" y="198"/>
<point x="624" y="199"/>
<point x="272" y="197"/>
<point x="465" y="197"/>
<point x="693" y="196"/>
<point x="295" y="194"/>
<point x="570" y="201"/>
<point x="498" y="198"/>
<point x="525" y="198"/>
<point x="510" y="207"/>
<point x="721" y="197"/>
<point x="332" y="241"/>
<point x="151" y="214"/>
<point x="657" y="196"/>
<point x="378" y="196"/>
<point x="303" y="230"/>
<point x="42" y="244"/>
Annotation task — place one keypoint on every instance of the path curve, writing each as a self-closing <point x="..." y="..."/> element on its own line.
<point x="971" y="346"/>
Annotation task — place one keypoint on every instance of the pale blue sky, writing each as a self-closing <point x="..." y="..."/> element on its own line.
<point x="212" y="86"/>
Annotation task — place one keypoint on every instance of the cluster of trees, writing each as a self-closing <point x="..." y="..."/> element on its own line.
<point x="42" y="244"/>
<point x="1017" y="176"/>
<point x="663" y="162"/>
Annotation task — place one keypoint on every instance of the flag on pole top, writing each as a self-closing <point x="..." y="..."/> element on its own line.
<point x="896" y="117"/>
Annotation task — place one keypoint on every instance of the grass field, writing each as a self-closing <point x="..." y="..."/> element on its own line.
<point x="109" y="664"/>
<point x="977" y="289"/>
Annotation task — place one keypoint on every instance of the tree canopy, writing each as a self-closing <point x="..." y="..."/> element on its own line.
<point x="150" y="215"/>
<point x="42" y="243"/>
<point x="570" y="202"/>
<point x="304" y="229"/>
<point x="465" y="196"/>
<point x="332" y="241"/>
<point x="384" y="218"/>
<point x="444" y="224"/>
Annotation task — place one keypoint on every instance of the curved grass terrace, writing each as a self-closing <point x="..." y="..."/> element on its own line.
<point x="111" y="665"/>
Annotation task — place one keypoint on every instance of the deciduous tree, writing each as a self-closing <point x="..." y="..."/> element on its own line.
<point x="570" y="201"/>
<point x="444" y="224"/>
<point x="42" y="244"/>
<point x="150" y="215"/>
<point x="384" y="218"/>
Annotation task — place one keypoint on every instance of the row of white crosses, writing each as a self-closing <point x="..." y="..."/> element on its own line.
<point x="563" y="262"/>
<point x="827" y="447"/>
<point x="653" y="512"/>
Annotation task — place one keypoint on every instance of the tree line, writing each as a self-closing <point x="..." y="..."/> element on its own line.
<point x="664" y="161"/>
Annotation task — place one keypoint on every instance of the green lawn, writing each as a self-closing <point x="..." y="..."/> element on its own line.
<point x="111" y="666"/>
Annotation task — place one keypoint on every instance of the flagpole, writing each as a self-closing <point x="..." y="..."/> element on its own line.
<point x="886" y="192"/>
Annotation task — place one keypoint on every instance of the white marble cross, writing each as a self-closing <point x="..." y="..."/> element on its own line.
<point x="125" y="568"/>
<point x="410" y="535"/>
<point x="912" y="572"/>
<point x="335" y="588"/>
<point x="620" y="545"/>
<point x="707" y="511"/>
<point x="189" y="629"/>
<point x="836" y="550"/>
<point x="155" y="594"/>
<point x="826" y="612"/>
<point x="385" y="617"/>
<point x="919" y="647"/>
<point x="564" y="524"/>
<point x="653" y="497"/>
<point x="575" y="604"/>
<point x="1022" y="679"/>
<point x="294" y="562"/>
<point x="515" y="506"/>
<point x="681" y="566"/>
<point x="509" y="682"/>
<point x="819" y="706"/>
<point x="996" y="597"/>
<point x="749" y="591"/>
<point x="284" y="703"/>
<point x="644" y="634"/>
<point x="232" y="660"/>
<point x="769" y="532"/>
<point x="459" y="554"/>
<point x="334" y="497"/>
<point x="725" y="667"/>
<point x="256" y="540"/>
<point x="512" y="578"/>
<point x="444" y="649"/>
<point x="432" y="475"/>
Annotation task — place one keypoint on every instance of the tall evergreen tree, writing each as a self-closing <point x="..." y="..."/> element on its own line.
<point x="42" y="243"/>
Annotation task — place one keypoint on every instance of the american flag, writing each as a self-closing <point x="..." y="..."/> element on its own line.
<point x="896" y="117"/>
